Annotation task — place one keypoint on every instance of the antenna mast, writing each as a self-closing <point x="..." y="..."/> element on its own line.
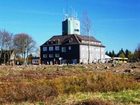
<point x="65" y="11"/>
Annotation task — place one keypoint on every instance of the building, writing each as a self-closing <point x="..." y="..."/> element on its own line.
<point x="71" y="47"/>
<point x="35" y="61"/>
<point x="7" y="57"/>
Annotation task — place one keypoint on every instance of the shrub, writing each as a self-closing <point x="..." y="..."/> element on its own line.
<point x="93" y="82"/>
<point x="32" y="85"/>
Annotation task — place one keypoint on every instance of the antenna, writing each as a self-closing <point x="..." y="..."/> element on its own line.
<point x="65" y="14"/>
<point x="67" y="6"/>
<point x="75" y="14"/>
<point x="69" y="12"/>
<point x="65" y="11"/>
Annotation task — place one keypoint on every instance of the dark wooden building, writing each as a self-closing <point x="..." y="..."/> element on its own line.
<point x="69" y="49"/>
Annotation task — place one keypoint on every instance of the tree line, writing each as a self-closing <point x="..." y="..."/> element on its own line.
<point x="132" y="56"/>
<point x="22" y="43"/>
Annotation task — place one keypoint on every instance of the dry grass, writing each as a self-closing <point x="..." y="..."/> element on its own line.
<point x="40" y="83"/>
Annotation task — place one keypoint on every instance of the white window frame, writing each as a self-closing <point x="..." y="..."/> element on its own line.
<point x="50" y="55"/>
<point x="57" y="55"/>
<point x="44" y="55"/>
<point x="63" y="49"/>
<point x="57" y="48"/>
<point x="51" y="48"/>
<point x="69" y="47"/>
<point x="44" y="48"/>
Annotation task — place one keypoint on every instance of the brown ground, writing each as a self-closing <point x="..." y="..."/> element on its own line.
<point x="11" y="73"/>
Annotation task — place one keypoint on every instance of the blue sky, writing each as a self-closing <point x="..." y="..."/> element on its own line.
<point x="115" y="22"/>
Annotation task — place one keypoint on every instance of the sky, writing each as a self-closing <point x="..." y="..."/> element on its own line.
<point x="116" y="23"/>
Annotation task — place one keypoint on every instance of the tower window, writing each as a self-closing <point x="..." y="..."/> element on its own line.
<point x="77" y="30"/>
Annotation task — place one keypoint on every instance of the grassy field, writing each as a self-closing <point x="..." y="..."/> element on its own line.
<point x="96" y="84"/>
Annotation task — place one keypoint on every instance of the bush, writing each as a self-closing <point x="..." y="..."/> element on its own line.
<point x="32" y="85"/>
<point x="94" y="82"/>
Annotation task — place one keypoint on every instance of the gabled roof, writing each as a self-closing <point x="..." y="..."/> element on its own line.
<point x="71" y="39"/>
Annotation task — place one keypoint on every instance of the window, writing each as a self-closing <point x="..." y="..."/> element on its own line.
<point x="69" y="47"/>
<point x="50" y="55"/>
<point x="76" y="30"/>
<point x="44" y="48"/>
<point x="57" y="55"/>
<point x="57" y="48"/>
<point x="63" y="49"/>
<point x="44" y="55"/>
<point x="50" y="48"/>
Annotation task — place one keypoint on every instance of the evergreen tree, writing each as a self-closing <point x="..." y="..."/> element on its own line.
<point x="128" y="54"/>
<point x="113" y="53"/>
<point x="121" y="53"/>
<point x="110" y="54"/>
<point x="137" y="53"/>
<point x="106" y="53"/>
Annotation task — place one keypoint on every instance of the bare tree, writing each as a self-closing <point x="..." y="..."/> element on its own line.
<point x="86" y="29"/>
<point x="5" y="44"/>
<point x="24" y="44"/>
<point x="86" y="24"/>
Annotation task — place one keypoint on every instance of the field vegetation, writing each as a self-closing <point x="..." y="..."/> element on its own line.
<point x="96" y="84"/>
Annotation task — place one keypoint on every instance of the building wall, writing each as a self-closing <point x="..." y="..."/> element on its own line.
<point x="68" y="54"/>
<point x="96" y="54"/>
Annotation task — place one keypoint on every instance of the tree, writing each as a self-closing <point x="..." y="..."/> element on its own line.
<point x="128" y="54"/>
<point x="137" y="53"/>
<point x="86" y="24"/>
<point x="5" y="40"/>
<point x="6" y="44"/>
<point x="24" y="44"/>
<point x="121" y="53"/>
<point x="86" y="29"/>
<point x="107" y="53"/>
<point x="111" y="53"/>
